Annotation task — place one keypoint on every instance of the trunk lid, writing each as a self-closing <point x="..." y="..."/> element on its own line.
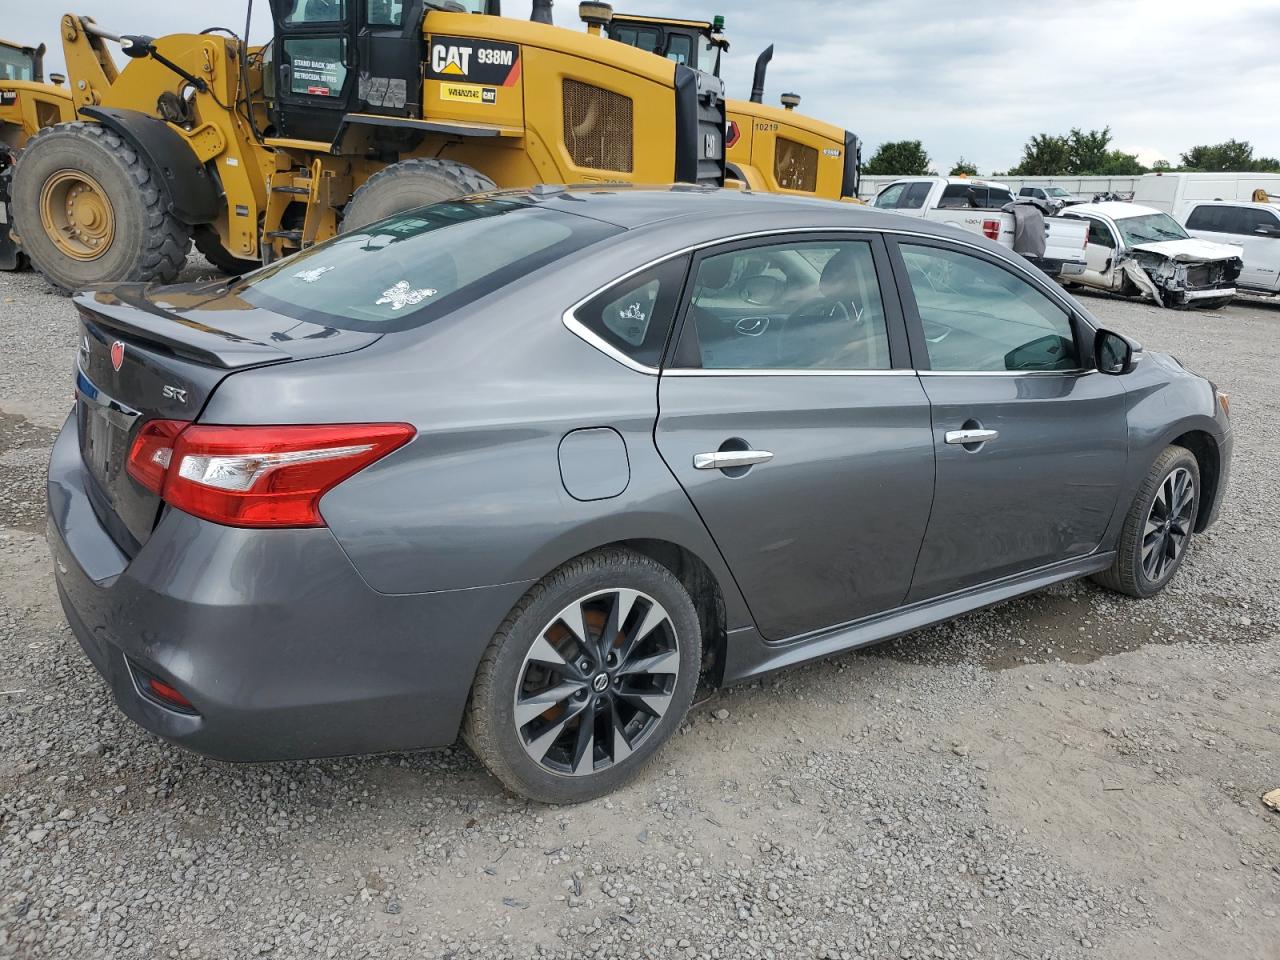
<point x="159" y="353"/>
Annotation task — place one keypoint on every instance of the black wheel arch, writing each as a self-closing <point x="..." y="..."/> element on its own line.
<point x="193" y="195"/>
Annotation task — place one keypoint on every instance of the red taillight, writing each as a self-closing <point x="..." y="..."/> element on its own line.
<point x="168" y="694"/>
<point x="152" y="451"/>
<point x="259" y="476"/>
<point x="732" y="135"/>
<point x="991" y="229"/>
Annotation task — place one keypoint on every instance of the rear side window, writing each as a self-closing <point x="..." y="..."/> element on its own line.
<point x="421" y="264"/>
<point x="1207" y="218"/>
<point x="634" y="315"/>
<point x="801" y="305"/>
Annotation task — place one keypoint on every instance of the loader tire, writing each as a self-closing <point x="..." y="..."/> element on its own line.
<point x="87" y="208"/>
<point x="408" y="184"/>
<point x="209" y="245"/>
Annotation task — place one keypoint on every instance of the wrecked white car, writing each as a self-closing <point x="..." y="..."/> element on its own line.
<point x="1139" y="251"/>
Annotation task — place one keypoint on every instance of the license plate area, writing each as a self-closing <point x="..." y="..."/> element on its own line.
<point x="104" y="428"/>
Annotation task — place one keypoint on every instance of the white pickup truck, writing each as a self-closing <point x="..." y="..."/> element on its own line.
<point x="976" y="206"/>
<point x="1253" y="226"/>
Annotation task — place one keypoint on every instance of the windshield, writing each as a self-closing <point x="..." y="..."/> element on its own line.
<point x="419" y="265"/>
<point x="14" y="64"/>
<point x="1150" y="228"/>
<point x="1056" y="192"/>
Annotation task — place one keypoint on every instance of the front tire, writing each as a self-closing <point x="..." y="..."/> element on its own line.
<point x="89" y="209"/>
<point x="587" y="677"/>
<point x="408" y="184"/>
<point x="1158" y="528"/>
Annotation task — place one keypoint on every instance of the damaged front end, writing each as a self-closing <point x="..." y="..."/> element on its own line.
<point x="1181" y="279"/>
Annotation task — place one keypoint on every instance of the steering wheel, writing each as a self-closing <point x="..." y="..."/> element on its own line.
<point x="827" y="308"/>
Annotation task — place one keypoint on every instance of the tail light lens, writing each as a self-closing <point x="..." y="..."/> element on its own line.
<point x="991" y="229"/>
<point x="258" y="476"/>
<point x="152" y="451"/>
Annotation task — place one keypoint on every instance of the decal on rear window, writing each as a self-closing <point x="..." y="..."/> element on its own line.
<point x="311" y="276"/>
<point x="402" y="295"/>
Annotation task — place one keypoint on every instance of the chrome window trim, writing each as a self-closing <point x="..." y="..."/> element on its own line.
<point x="583" y="332"/>
<point x="787" y="372"/>
<point x="1077" y="372"/>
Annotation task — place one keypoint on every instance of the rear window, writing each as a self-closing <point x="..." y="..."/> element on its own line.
<point x="421" y="264"/>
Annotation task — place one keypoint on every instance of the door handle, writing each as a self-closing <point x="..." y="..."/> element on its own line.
<point x="971" y="436"/>
<point x="727" y="459"/>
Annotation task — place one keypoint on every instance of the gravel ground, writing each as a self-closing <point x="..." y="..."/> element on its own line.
<point x="1072" y="774"/>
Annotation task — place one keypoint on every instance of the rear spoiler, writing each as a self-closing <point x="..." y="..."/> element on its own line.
<point x="122" y="310"/>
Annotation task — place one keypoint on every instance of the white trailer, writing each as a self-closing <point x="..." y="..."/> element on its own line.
<point x="1176" y="193"/>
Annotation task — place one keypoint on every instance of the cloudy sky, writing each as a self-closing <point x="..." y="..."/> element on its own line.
<point x="973" y="79"/>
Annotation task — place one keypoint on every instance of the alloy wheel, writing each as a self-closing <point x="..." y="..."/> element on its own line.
<point x="1168" y="526"/>
<point x="596" y="682"/>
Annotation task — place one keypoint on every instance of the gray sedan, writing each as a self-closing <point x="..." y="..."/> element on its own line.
<point x="527" y="466"/>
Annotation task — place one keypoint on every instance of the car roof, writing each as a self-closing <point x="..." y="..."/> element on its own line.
<point x="706" y="211"/>
<point x="1115" y="209"/>
<point x="1273" y="206"/>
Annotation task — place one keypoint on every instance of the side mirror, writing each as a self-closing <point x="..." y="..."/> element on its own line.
<point x="1113" y="353"/>
<point x="1264" y="230"/>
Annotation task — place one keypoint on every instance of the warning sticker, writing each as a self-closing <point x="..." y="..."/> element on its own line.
<point x="468" y="93"/>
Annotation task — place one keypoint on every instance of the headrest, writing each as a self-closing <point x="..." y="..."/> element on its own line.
<point x="715" y="271"/>
<point x="840" y="275"/>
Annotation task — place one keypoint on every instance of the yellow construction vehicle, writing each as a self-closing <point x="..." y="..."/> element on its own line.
<point x="353" y="111"/>
<point x="769" y="148"/>
<point x="27" y="103"/>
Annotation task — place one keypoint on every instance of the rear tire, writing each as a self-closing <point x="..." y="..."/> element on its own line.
<point x="89" y="209"/>
<point x="1157" y="530"/>
<point x="408" y="184"/>
<point x="209" y="244"/>
<point x="638" y="684"/>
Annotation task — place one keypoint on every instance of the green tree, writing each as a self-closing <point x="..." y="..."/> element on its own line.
<point x="1079" y="153"/>
<point x="1233" y="155"/>
<point x="898" y="157"/>
<point x="963" y="168"/>
<point x="1044" y="155"/>
<point x="1089" y="150"/>
<point x="1117" y="163"/>
<point x="1160" y="166"/>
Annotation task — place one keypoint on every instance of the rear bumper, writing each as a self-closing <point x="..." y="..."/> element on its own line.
<point x="1058" y="268"/>
<point x="281" y="647"/>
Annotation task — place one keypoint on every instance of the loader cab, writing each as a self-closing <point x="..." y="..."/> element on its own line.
<point x="693" y="43"/>
<point x="21" y="63"/>
<point x="330" y="58"/>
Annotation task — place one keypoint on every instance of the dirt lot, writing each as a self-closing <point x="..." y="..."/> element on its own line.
<point x="1070" y="775"/>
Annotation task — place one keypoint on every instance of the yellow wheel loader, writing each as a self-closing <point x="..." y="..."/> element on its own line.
<point x="774" y="149"/>
<point x="27" y="103"/>
<point x="354" y="110"/>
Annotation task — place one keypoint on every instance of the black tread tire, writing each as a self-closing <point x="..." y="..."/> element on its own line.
<point x="487" y="725"/>
<point x="150" y="243"/>
<point x="408" y="184"/>
<point x="1125" y="574"/>
<point x="209" y="245"/>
